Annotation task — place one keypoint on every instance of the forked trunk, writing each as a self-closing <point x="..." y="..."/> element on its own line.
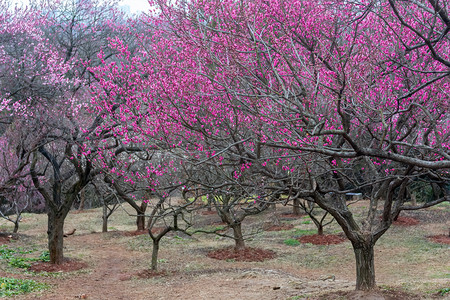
<point x="365" y="269"/>
<point x="55" y="234"/>
<point x="320" y="229"/>
<point x="238" y="237"/>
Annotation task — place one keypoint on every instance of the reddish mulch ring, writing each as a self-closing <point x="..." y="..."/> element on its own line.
<point x="68" y="265"/>
<point x="146" y="274"/>
<point x="406" y="221"/>
<point x="441" y="239"/>
<point x="5" y="238"/>
<point x="324" y="239"/>
<point x="135" y="233"/>
<point x="247" y="254"/>
<point x="279" y="227"/>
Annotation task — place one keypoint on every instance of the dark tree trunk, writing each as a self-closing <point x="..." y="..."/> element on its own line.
<point x="140" y="222"/>
<point x="365" y="269"/>
<point x="55" y="234"/>
<point x="238" y="237"/>
<point x="208" y="198"/>
<point x="82" y="200"/>
<point x="320" y="229"/>
<point x="296" y="210"/>
<point x="140" y="219"/>
<point x="16" y="226"/>
<point x="155" y="254"/>
<point x="105" y="219"/>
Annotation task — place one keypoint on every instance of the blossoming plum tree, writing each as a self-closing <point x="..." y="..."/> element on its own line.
<point x="355" y="91"/>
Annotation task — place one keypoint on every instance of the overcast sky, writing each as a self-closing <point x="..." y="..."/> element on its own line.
<point x="133" y="5"/>
<point x="136" y="5"/>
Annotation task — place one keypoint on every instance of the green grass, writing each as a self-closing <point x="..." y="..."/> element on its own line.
<point x="291" y="242"/>
<point x="16" y="257"/>
<point x="12" y="286"/>
<point x="444" y="291"/>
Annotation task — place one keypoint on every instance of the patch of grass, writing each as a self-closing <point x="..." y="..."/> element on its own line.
<point x="441" y="275"/>
<point x="141" y="243"/>
<point x="306" y="222"/>
<point x="444" y="291"/>
<point x="45" y="256"/>
<point x="291" y="242"/>
<point x="20" y="262"/>
<point x="16" y="259"/>
<point x="6" y="253"/>
<point x="178" y="240"/>
<point x="12" y="286"/>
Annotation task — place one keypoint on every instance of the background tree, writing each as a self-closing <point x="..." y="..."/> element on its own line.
<point x="47" y="97"/>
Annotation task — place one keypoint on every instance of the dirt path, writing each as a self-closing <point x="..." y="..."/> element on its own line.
<point x="112" y="269"/>
<point x="109" y="266"/>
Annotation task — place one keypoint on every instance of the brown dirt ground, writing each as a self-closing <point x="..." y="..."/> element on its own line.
<point x="116" y="271"/>
<point x="4" y="240"/>
<point x="6" y="237"/>
<point x="112" y="274"/>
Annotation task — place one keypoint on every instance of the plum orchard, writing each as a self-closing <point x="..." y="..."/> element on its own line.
<point x="317" y="98"/>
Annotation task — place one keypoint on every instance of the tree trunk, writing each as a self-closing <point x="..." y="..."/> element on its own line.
<point x="365" y="269"/>
<point x="208" y="198"/>
<point x="140" y="219"/>
<point x="155" y="254"/>
<point x="296" y="207"/>
<point x="140" y="222"/>
<point x="320" y="229"/>
<point x="82" y="200"/>
<point x="55" y="234"/>
<point x="16" y="226"/>
<point x="238" y="237"/>
<point x="105" y="219"/>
